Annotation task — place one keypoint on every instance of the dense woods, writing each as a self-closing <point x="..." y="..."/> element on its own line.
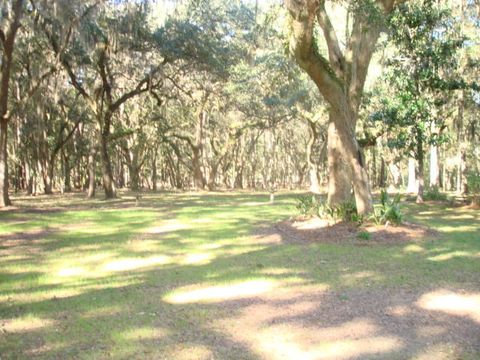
<point x="239" y="94"/>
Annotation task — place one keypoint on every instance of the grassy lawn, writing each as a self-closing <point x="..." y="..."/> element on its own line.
<point x="185" y="276"/>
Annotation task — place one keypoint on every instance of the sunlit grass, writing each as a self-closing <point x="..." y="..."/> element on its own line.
<point x="110" y="279"/>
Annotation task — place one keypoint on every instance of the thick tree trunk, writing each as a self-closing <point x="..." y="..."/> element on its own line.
<point x="340" y="78"/>
<point x="8" y="41"/>
<point x="134" y="171"/>
<point x="345" y="127"/>
<point x="198" y="178"/>
<point x="48" y="178"/>
<point x="238" y="182"/>
<point x="48" y="170"/>
<point x="212" y="176"/>
<point x="4" y="198"/>
<point x="339" y="184"/>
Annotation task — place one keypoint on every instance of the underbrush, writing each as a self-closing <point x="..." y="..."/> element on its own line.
<point x="388" y="211"/>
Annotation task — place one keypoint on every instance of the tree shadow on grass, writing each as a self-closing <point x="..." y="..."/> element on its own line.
<point x="251" y="299"/>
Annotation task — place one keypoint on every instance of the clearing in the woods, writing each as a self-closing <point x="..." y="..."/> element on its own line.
<point x="227" y="276"/>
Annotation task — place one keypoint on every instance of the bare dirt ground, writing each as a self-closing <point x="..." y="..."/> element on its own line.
<point x="307" y="322"/>
<point x="324" y="231"/>
<point x="357" y="324"/>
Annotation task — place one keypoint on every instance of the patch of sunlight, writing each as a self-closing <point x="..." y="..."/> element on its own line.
<point x="459" y="229"/>
<point x="313" y="224"/>
<point x="144" y="333"/>
<point x="136" y="263"/>
<point x="211" y="246"/>
<point x="413" y="248"/>
<point x="197" y="259"/>
<point x="439" y="352"/>
<point x="427" y="213"/>
<point x="72" y="271"/>
<point x="452" y="255"/>
<point x="202" y="221"/>
<point x="279" y="271"/>
<point x="192" y="352"/>
<point x="359" y="275"/>
<point x="218" y="293"/>
<point x="281" y="346"/>
<point x="467" y="305"/>
<point x="168" y="226"/>
<point x="255" y="203"/>
<point x="143" y="245"/>
<point x="461" y="217"/>
<point x="28" y="323"/>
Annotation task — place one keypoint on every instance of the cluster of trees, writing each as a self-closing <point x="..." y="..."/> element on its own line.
<point x="206" y="94"/>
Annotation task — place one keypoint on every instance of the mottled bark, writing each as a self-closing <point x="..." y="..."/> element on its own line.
<point x="107" y="173"/>
<point x="8" y="42"/>
<point x="4" y="198"/>
<point x="339" y="184"/>
<point x="340" y="79"/>
<point x="91" y="173"/>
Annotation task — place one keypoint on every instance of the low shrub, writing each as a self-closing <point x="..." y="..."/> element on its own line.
<point x="363" y="235"/>
<point x="473" y="184"/>
<point x="388" y="210"/>
<point x="308" y="205"/>
<point x="433" y="193"/>
<point x="311" y="205"/>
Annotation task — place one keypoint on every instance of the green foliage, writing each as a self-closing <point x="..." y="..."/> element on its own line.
<point x="433" y="193"/>
<point x="421" y="69"/>
<point x="364" y="235"/>
<point x="312" y="205"/>
<point x="473" y="183"/>
<point x="345" y="211"/>
<point x="309" y="205"/>
<point x="388" y="210"/>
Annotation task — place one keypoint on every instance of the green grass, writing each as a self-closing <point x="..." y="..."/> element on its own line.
<point x="98" y="279"/>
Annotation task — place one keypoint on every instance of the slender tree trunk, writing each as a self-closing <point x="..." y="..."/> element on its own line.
<point x="4" y="198"/>
<point x="107" y="174"/>
<point x="462" y="187"/>
<point x="154" y="172"/>
<point x="434" y="168"/>
<point x="67" y="187"/>
<point x="421" y="169"/>
<point x="91" y="173"/>
<point x="412" y="178"/>
<point x="312" y="165"/>
<point x="382" y="181"/>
